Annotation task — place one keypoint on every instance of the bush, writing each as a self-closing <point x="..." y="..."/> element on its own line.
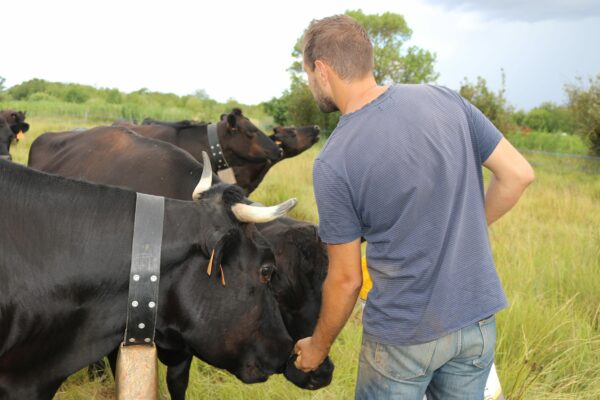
<point x="492" y="105"/>
<point x="584" y="102"/>
<point x="41" y="96"/>
<point x="26" y="89"/>
<point x="74" y="95"/>
<point x="550" y="117"/>
<point x="552" y="142"/>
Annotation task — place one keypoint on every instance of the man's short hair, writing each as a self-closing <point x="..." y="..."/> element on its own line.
<point x="342" y="43"/>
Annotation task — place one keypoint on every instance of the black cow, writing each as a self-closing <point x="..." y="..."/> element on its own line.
<point x="64" y="272"/>
<point x="292" y="141"/>
<point x="121" y="157"/>
<point x="16" y="121"/>
<point x="6" y="138"/>
<point x="241" y="141"/>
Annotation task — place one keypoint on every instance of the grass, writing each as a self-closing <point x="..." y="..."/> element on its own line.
<point x="547" y="252"/>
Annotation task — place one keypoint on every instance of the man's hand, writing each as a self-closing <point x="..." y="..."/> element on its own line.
<point x="309" y="354"/>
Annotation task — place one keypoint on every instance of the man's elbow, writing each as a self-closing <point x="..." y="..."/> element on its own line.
<point x="526" y="176"/>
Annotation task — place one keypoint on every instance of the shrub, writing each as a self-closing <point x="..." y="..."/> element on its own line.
<point x="584" y="102"/>
<point x="492" y="105"/>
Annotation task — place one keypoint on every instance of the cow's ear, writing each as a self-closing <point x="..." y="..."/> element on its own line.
<point x="222" y="246"/>
<point x="231" y="122"/>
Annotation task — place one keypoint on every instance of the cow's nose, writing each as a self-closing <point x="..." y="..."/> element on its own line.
<point x="6" y="157"/>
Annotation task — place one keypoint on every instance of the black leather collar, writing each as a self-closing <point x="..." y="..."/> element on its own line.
<point x="145" y="270"/>
<point x="216" y="151"/>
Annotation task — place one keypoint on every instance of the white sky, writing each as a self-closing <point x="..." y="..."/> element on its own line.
<point x="241" y="49"/>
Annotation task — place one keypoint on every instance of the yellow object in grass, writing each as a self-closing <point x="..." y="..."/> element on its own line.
<point x="367" y="283"/>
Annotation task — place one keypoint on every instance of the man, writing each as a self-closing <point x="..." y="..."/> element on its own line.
<point x="403" y="170"/>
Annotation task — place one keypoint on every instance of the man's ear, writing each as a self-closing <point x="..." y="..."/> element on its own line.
<point x="322" y="71"/>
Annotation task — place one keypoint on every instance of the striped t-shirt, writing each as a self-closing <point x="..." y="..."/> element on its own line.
<point x="404" y="172"/>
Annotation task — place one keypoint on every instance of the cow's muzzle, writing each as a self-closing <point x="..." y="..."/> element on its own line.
<point x="313" y="380"/>
<point x="6" y="157"/>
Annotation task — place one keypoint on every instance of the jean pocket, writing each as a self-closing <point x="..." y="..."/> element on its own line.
<point x="487" y="330"/>
<point x="401" y="362"/>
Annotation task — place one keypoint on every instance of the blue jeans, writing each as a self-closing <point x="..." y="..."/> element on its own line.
<point x="455" y="366"/>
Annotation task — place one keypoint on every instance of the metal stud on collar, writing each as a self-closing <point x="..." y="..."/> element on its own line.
<point x="216" y="151"/>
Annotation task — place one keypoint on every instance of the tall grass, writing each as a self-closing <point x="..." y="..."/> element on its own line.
<point x="547" y="252"/>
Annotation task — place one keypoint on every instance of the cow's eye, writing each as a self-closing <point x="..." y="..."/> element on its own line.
<point x="266" y="272"/>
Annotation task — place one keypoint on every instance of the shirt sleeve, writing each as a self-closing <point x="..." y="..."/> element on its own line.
<point x="486" y="134"/>
<point x="338" y="219"/>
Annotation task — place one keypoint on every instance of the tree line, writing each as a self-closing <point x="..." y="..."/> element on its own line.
<point x="396" y="62"/>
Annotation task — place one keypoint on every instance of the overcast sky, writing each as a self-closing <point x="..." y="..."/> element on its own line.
<point x="241" y="49"/>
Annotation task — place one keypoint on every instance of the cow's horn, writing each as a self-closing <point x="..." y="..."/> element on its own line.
<point x="253" y="213"/>
<point x="205" y="179"/>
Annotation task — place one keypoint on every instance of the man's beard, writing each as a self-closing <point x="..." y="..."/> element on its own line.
<point x="325" y="103"/>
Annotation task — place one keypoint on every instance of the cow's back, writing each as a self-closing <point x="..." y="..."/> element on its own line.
<point x="118" y="156"/>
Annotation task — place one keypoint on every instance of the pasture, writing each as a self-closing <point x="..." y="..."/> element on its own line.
<point x="547" y="252"/>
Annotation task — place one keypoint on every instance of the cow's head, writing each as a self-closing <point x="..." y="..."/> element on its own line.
<point x="228" y="314"/>
<point x="294" y="141"/>
<point x="16" y="121"/>
<point x="302" y="263"/>
<point x="243" y="142"/>
<point x="6" y="137"/>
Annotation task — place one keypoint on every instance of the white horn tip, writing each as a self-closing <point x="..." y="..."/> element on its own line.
<point x="258" y="214"/>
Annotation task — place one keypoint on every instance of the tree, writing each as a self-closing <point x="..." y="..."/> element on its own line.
<point x="277" y="107"/>
<point x="584" y="102"/>
<point x="394" y="62"/>
<point x="25" y="89"/>
<point x="492" y="105"/>
<point x="549" y="117"/>
<point x="201" y="94"/>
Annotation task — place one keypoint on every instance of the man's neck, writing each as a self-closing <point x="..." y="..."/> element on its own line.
<point x="352" y="96"/>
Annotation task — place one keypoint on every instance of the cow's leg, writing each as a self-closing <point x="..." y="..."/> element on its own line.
<point x="178" y="377"/>
<point x="178" y="364"/>
<point x="112" y="360"/>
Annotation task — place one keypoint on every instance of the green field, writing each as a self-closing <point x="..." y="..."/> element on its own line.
<point x="547" y="252"/>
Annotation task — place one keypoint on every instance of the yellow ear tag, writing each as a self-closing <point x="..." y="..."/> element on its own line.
<point x="209" y="270"/>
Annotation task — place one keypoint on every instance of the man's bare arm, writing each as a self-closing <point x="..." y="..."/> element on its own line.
<point x="511" y="175"/>
<point x="340" y="292"/>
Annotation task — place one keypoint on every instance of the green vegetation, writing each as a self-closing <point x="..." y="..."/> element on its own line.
<point x="551" y="142"/>
<point x="584" y="102"/>
<point x="41" y="98"/>
<point x="548" y="117"/>
<point x="547" y="252"/>
<point x="493" y="105"/>
<point x="394" y="62"/>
